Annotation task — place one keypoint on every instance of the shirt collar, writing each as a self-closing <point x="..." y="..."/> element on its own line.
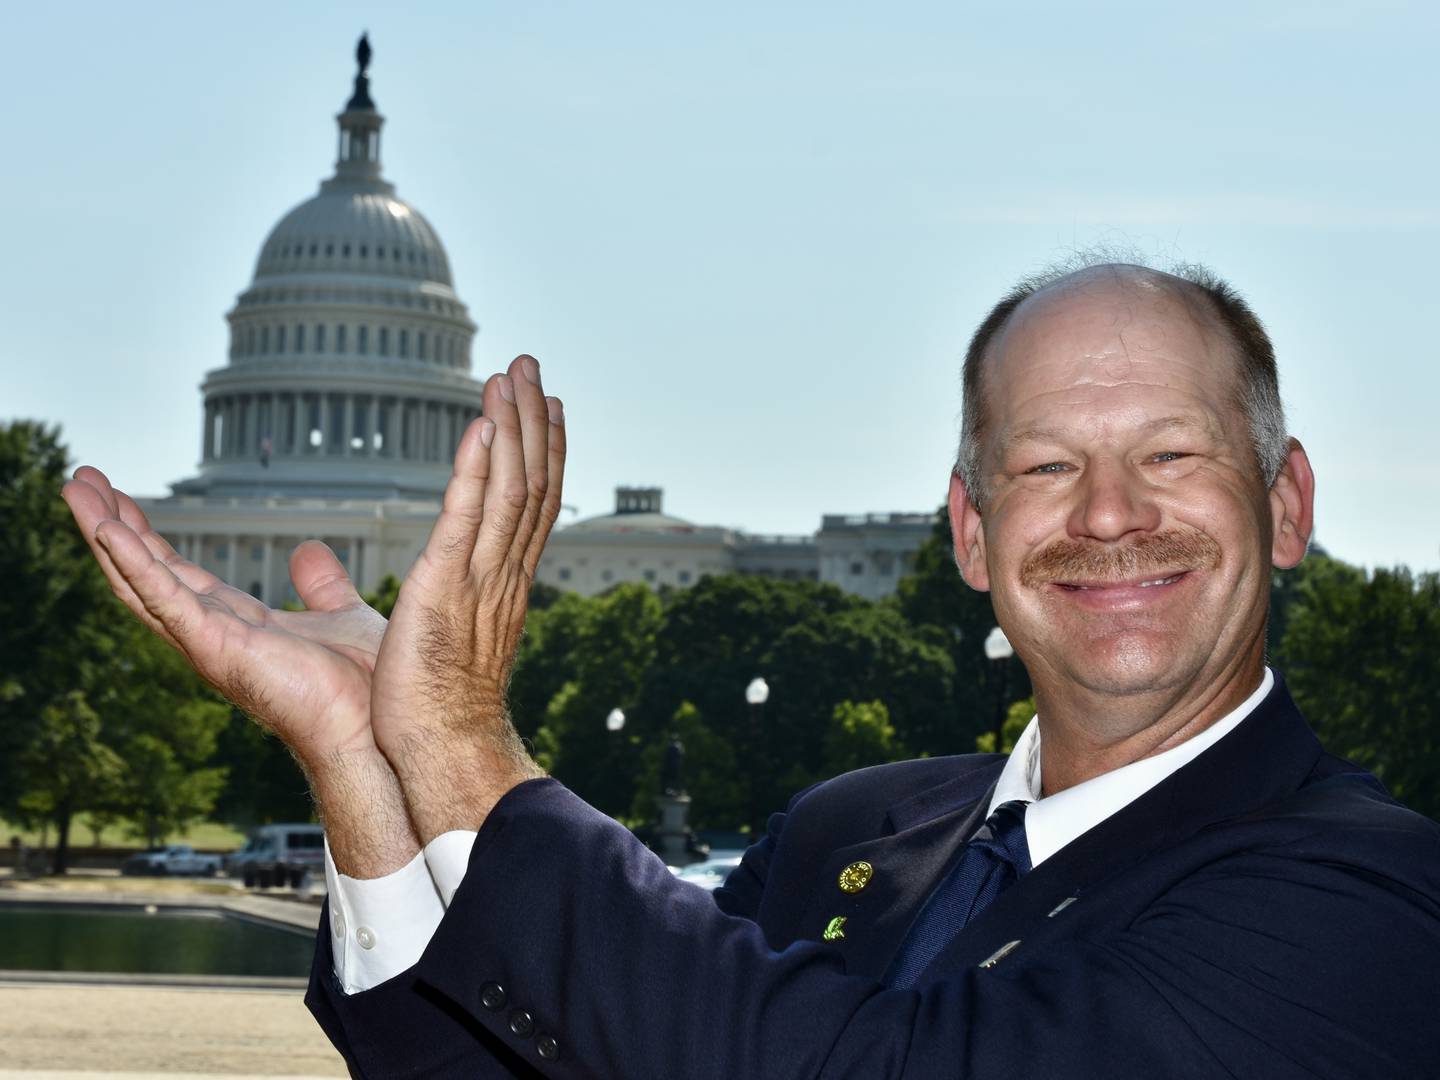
<point x="1054" y="821"/>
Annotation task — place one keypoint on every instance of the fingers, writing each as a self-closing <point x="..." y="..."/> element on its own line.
<point x="92" y="502"/>
<point x="159" y="597"/>
<point x="550" y="506"/>
<point x="521" y="458"/>
<point x="452" y="540"/>
<point x="506" y="494"/>
<point x="535" y="444"/>
<point x="320" y="579"/>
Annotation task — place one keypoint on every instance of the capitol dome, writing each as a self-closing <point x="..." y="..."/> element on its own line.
<point x="349" y="229"/>
<point x="349" y="359"/>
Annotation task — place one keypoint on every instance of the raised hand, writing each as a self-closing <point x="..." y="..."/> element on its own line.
<point x="438" y="705"/>
<point x="304" y="675"/>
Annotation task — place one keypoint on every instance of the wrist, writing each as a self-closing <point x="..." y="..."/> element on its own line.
<point x="453" y="781"/>
<point x="360" y="803"/>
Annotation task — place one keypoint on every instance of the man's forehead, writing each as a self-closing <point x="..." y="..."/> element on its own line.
<point x="1109" y="318"/>
<point x="1115" y="295"/>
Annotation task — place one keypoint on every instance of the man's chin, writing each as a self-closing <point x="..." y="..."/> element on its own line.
<point x="1127" y="665"/>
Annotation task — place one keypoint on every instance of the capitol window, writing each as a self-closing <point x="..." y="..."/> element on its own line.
<point x="384" y="349"/>
<point x="340" y="338"/>
<point x="364" y="251"/>
<point x="280" y="339"/>
<point x="420" y="345"/>
<point x="314" y="248"/>
<point x="345" y="250"/>
<point x="563" y="573"/>
<point x="329" y="249"/>
<point x="362" y="340"/>
<point x="319" y="337"/>
<point x="404" y="343"/>
<point x="299" y="337"/>
<point x="250" y="341"/>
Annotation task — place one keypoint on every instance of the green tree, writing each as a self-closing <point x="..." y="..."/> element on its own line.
<point x="1017" y="716"/>
<point x="938" y="603"/>
<point x="51" y="587"/>
<point x="860" y="734"/>
<point x="711" y="776"/>
<point x="1359" y="654"/>
<point x="67" y="765"/>
<point x="604" y="645"/>
<point x="816" y="647"/>
<point x="96" y="714"/>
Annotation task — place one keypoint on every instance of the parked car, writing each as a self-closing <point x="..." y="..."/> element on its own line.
<point x="172" y="859"/>
<point x="711" y="873"/>
<point x="285" y="854"/>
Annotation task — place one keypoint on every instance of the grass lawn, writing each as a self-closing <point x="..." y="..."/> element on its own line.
<point x="205" y="836"/>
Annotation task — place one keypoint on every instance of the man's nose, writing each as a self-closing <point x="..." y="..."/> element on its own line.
<point x="1111" y="501"/>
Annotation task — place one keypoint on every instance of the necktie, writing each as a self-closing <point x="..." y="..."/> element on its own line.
<point x="993" y="860"/>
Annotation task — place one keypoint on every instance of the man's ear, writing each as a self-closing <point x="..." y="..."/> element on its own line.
<point x="969" y="536"/>
<point x="1292" y="508"/>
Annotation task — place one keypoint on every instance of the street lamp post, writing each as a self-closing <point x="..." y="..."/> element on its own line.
<point x="756" y="694"/>
<point x="999" y="650"/>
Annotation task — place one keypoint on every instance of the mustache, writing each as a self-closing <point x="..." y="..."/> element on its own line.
<point x="1086" y="560"/>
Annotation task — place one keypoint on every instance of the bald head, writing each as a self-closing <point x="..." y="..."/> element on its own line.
<point x="1136" y="305"/>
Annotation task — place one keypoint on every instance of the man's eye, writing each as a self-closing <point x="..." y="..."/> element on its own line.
<point x="1049" y="467"/>
<point x="1169" y="455"/>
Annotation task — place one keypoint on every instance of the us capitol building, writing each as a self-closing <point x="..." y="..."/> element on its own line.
<point x="346" y="391"/>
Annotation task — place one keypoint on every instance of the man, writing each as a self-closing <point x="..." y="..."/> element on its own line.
<point x="1167" y="878"/>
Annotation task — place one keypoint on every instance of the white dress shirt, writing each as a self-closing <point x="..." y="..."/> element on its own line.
<point x="380" y="926"/>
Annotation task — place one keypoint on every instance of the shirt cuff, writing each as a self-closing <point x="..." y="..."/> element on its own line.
<point x="380" y="926"/>
<point x="448" y="857"/>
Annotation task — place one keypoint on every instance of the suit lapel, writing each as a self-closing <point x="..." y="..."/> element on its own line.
<point x="903" y="867"/>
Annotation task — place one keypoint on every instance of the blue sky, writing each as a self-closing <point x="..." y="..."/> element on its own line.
<point x="747" y="242"/>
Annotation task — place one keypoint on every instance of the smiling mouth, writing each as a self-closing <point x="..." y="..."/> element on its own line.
<point x="1092" y="586"/>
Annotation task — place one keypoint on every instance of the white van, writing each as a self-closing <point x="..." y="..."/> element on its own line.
<point x="284" y="854"/>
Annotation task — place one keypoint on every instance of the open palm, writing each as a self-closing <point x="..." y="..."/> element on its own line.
<point x="304" y="674"/>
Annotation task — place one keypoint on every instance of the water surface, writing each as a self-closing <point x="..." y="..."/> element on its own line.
<point x="195" y="942"/>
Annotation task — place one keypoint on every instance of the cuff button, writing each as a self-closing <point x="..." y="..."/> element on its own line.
<point x="493" y="996"/>
<point x="547" y="1047"/>
<point x="366" y="937"/>
<point x="522" y="1023"/>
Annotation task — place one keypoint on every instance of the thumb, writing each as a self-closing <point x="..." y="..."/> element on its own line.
<point x="320" y="580"/>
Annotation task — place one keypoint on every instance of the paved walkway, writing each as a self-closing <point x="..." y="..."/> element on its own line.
<point x="129" y="1033"/>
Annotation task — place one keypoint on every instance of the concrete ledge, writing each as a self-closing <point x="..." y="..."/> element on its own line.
<point x="276" y="983"/>
<point x="296" y="916"/>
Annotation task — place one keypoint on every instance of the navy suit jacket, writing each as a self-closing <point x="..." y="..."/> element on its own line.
<point x="1265" y="911"/>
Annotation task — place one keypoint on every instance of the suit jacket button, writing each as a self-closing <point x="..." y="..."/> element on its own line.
<point x="547" y="1047"/>
<point x="522" y="1023"/>
<point x="493" y="996"/>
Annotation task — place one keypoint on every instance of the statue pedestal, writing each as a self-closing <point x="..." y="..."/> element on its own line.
<point x="672" y="831"/>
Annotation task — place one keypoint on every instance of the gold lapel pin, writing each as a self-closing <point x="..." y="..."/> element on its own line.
<point x="835" y="929"/>
<point x="856" y="876"/>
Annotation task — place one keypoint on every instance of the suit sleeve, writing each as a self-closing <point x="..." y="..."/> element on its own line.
<point x="572" y="945"/>
<point x="403" y="1028"/>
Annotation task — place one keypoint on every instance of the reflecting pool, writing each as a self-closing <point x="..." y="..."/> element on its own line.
<point x="171" y="941"/>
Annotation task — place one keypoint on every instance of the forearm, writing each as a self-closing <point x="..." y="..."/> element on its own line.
<point x="362" y="806"/>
